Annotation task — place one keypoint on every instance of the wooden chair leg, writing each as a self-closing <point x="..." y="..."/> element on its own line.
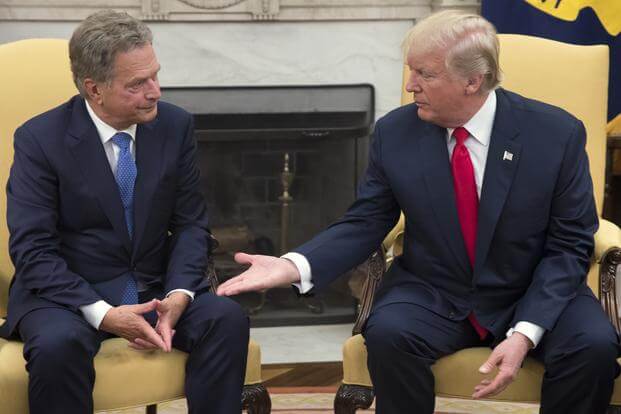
<point x="151" y="409"/>
<point x="350" y="398"/>
<point x="256" y="399"/>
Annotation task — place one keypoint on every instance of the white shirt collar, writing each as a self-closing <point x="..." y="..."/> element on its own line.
<point x="481" y="124"/>
<point x="106" y="132"/>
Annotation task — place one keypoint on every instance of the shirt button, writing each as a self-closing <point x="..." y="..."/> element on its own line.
<point x="451" y="315"/>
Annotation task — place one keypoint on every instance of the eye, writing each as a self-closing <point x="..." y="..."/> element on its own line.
<point x="136" y="85"/>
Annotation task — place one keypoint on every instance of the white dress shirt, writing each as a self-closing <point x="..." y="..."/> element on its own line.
<point x="480" y="129"/>
<point x="95" y="312"/>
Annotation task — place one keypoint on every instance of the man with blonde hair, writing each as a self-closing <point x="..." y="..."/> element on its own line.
<point x="500" y="217"/>
<point x="109" y="232"/>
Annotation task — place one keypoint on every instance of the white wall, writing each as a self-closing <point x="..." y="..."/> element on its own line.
<point x="266" y="53"/>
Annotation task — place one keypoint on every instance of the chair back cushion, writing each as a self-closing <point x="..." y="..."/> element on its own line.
<point x="571" y="77"/>
<point x="34" y="76"/>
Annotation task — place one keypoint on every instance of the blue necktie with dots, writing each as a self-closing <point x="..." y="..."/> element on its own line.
<point x="125" y="179"/>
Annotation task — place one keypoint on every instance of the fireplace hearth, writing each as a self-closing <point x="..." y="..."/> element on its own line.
<point x="278" y="165"/>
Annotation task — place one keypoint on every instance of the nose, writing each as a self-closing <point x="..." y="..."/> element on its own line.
<point x="153" y="89"/>
<point x="412" y="85"/>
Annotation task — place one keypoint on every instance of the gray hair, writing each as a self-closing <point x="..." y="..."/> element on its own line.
<point x="96" y="42"/>
<point x="470" y="41"/>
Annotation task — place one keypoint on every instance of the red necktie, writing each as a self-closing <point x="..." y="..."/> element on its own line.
<point x="467" y="203"/>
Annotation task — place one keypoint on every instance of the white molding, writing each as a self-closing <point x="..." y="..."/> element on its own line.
<point x="224" y="10"/>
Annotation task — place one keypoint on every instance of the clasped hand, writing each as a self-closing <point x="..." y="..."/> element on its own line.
<point x="127" y="321"/>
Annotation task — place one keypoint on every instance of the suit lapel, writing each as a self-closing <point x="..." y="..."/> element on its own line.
<point x="502" y="160"/>
<point x="439" y="181"/>
<point x="85" y="145"/>
<point x="149" y="162"/>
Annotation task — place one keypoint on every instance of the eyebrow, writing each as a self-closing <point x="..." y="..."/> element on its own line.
<point x="139" y="79"/>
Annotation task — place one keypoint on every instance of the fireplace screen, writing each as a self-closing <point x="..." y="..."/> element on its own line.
<point x="278" y="165"/>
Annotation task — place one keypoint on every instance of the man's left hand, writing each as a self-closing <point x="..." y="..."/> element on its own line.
<point x="508" y="357"/>
<point x="169" y="311"/>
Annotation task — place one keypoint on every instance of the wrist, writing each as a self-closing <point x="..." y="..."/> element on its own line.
<point x="293" y="270"/>
<point x="179" y="298"/>
<point x="523" y="339"/>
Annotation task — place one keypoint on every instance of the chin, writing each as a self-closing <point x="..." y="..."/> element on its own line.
<point x="149" y="116"/>
<point x="424" y="114"/>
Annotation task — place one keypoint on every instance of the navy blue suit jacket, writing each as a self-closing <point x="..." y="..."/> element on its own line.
<point x="536" y="221"/>
<point x="69" y="241"/>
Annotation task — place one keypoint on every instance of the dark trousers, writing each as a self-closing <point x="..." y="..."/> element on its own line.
<point x="59" y="347"/>
<point x="404" y="340"/>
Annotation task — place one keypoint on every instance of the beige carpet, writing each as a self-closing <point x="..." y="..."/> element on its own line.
<point x="321" y="403"/>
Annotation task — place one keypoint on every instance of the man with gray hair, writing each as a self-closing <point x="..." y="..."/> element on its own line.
<point x="109" y="232"/>
<point x="499" y="223"/>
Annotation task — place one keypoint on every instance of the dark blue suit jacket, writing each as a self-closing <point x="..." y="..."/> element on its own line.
<point x="536" y="222"/>
<point x="69" y="241"/>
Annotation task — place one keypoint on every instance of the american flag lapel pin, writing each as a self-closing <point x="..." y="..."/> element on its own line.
<point x="507" y="156"/>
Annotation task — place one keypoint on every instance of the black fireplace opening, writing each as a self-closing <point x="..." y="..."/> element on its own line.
<point x="278" y="165"/>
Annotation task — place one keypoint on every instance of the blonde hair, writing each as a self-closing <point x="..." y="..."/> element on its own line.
<point x="470" y="42"/>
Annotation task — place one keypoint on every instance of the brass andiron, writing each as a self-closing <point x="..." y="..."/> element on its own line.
<point x="286" y="178"/>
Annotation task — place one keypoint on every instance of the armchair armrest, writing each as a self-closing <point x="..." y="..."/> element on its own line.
<point x="376" y="266"/>
<point x="608" y="236"/>
<point x="211" y="275"/>
<point x="608" y="255"/>
<point x="394" y="234"/>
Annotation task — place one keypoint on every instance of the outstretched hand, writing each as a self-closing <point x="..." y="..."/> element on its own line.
<point x="265" y="272"/>
<point x="508" y="357"/>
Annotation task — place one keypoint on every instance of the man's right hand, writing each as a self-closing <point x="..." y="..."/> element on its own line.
<point x="265" y="272"/>
<point x="127" y="322"/>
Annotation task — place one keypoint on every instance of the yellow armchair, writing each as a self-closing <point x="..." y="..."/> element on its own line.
<point x="35" y="76"/>
<point x="574" y="78"/>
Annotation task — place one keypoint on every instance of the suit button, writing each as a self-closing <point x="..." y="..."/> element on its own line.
<point x="451" y="315"/>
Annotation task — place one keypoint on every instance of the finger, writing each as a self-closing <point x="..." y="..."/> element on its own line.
<point x="146" y="307"/>
<point x="244" y="258"/>
<point x="499" y="383"/>
<point x="142" y="345"/>
<point x="489" y="391"/>
<point x="246" y="285"/>
<point x="484" y="383"/>
<point x="491" y="363"/>
<point x="138" y="347"/>
<point x="242" y="283"/>
<point x="166" y="334"/>
<point x="232" y="281"/>
<point x="149" y="334"/>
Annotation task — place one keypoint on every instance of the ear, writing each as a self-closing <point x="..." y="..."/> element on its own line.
<point x="473" y="84"/>
<point x="93" y="91"/>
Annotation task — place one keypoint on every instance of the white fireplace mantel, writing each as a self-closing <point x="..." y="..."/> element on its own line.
<point x="230" y="10"/>
<point x="254" y="42"/>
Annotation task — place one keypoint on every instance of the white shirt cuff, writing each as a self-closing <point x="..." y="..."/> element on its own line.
<point x="304" y="269"/>
<point x="187" y="292"/>
<point x="528" y="329"/>
<point x="95" y="312"/>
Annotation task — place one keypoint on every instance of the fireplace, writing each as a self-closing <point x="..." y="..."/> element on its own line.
<point x="279" y="164"/>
